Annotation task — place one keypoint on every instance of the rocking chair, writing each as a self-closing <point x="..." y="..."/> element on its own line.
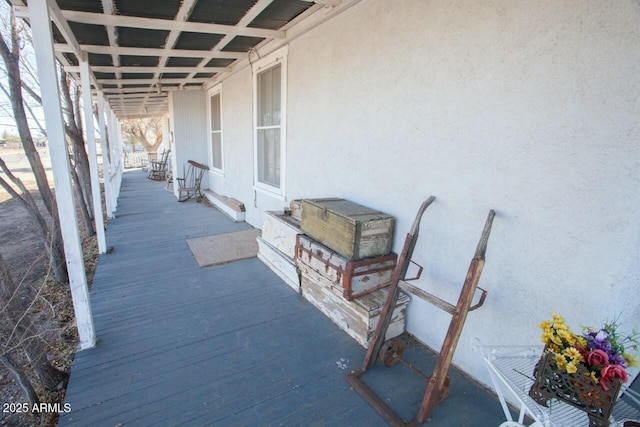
<point x="189" y="184"/>
<point x="158" y="169"/>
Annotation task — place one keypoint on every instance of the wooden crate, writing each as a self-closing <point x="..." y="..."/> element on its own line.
<point x="357" y="318"/>
<point x="295" y="206"/>
<point x="352" y="230"/>
<point x="280" y="231"/>
<point x="276" y="246"/>
<point x="347" y="278"/>
<point x="279" y="263"/>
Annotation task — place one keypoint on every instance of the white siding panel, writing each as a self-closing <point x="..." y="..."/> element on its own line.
<point x="189" y="128"/>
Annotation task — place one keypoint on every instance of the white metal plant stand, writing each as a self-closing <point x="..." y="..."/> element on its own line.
<point x="511" y="371"/>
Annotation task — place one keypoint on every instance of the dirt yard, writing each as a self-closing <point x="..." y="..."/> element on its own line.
<point x="21" y="247"/>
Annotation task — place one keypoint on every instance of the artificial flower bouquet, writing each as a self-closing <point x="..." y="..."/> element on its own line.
<point x="602" y="352"/>
<point x="584" y="370"/>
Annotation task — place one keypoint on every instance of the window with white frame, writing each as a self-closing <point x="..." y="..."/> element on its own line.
<point x="215" y="129"/>
<point x="269" y="118"/>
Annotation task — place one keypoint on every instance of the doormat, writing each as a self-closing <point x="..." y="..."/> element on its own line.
<point x="224" y="248"/>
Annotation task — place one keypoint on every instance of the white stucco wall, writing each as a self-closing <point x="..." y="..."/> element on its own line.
<point x="529" y="108"/>
<point x="237" y="117"/>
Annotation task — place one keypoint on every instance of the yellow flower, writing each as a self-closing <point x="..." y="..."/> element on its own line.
<point x="580" y="341"/>
<point x="567" y="336"/>
<point x="545" y="325"/>
<point x="573" y="354"/>
<point x="560" y="326"/>
<point x="571" y="368"/>
<point x="546" y="337"/>
<point x="592" y="375"/>
<point x="632" y="361"/>
<point x="556" y="340"/>
<point x="560" y="361"/>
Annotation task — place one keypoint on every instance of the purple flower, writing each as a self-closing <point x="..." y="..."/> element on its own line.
<point x="601" y="336"/>
<point x="616" y="359"/>
<point x="598" y="340"/>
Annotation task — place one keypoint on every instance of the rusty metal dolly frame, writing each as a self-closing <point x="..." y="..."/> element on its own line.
<point x="390" y="352"/>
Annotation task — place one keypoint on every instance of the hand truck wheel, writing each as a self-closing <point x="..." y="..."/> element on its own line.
<point x="391" y="352"/>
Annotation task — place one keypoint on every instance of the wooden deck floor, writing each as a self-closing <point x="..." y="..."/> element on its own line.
<point x="231" y="345"/>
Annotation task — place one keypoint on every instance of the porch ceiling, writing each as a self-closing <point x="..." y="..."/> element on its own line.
<point x="139" y="50"/>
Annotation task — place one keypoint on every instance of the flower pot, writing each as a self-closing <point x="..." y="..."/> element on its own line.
<point x="576" y="389"/>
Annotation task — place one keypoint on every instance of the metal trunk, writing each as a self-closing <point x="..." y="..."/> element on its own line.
<point x="349" y="279"/>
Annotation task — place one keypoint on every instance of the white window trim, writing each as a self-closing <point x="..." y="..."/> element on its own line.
<point x="215" y="90"/>
<point x="278" y="56"/>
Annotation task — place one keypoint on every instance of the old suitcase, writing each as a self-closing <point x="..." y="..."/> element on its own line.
<point x="350" y="279"/>
<point x="348" y="228"/>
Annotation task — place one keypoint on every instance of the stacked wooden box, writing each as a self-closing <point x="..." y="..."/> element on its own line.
<point x="276" y="246"/>
<point x="346" y="278"/>
<point x="345" y="264"/>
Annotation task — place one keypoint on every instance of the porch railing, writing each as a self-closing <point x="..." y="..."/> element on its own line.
<point x="137" y="159"/>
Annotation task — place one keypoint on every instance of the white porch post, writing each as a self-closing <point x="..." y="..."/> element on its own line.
<point x="106" y="163"/>
<point x="166" y="139"/>
<point x="120" y="153"/>
<point x="43" y="45"/>
<point x="113" y="161"/>
<point x="90" y="135"/>
<point x="116" y="152"/>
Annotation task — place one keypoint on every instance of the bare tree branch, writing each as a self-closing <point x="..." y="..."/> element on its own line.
<point x="19" y="321"/>
<point x="32" y="93"/>
<point x="11" y="57"/>
<point x="50" y="235"/>
<point x="147" y="132"/>
<point x="20" y="377"/>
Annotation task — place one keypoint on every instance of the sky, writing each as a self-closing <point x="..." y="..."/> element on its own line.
<point x="6" y="119"/>
<point x="7" y="122"/>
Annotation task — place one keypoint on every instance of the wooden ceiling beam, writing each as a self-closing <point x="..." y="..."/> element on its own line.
<point x="151" y="81"/>
<point x="57" y="17"/>
<point x="181" y="16"/>
<point x="134" y="90"/>
<point x="161" y="95"/>
<point x="246" y="20"/>
<point x="255" y="10"/>
<point x="112" y="69"/>
<point x="136" y="107"/>
<point x="169" y="25"/>
<point x="143" y="51"/>
<point x="108" y="9"/>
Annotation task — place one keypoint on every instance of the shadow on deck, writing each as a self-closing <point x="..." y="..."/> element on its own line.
<point x="231" y="345"/>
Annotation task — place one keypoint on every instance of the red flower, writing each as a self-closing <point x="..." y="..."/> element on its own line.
<point x="598" y="358"/>
<point x="584" y="352"/>
<point x="608" y="373"/>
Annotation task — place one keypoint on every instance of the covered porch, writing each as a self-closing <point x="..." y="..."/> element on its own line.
<point x="527" y="109"/>
<point x="227" y="345"/>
